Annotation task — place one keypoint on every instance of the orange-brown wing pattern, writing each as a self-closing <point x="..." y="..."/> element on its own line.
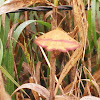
<point x="57" y="40"/>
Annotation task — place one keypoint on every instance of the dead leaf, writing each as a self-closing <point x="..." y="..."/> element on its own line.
<point x="35" y="94"/>
<point x="38" y="88"/>
<point x="26" y="68"/>
<point x="12" y="5"/>
<point x="90" y="98"/>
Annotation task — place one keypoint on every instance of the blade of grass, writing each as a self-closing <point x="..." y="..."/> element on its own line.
<point x="93" y="13"/>
<point x="1" y="52"/>
<point x="10" y="68"/>
<point x="98" y="51"/>
<point x="0" y="23"/>
<point x="6" y="30"/>
<point x="89" y="29"/>
<point x="16" y="17"/>
<point x="11" y="78"/>
<point x="98" y="13"/>
<point x="23" y="25"/>
<point x="20" y="64"/>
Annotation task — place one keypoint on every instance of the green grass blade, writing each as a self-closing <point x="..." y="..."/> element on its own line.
<point x="1" y="52"/>
<point x="6" y="30"/>
<point x="98" y="51"/>
<point x="89" y="29"/>
<point x="11" y="78"/>
<point x="0" y="23"/>
<point x="98" y="13"/>
<point x="20" y="64"/>
<point x="10" y="68"/>
<point x="93" y="14"/>
<point x="23" y="25"/>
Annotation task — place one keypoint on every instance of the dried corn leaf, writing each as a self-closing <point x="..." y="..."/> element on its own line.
<point x="38" y="88"/>
<point x="57" y="40"/>
<point x="90" y="98"/>
<point x="12" y="5"/>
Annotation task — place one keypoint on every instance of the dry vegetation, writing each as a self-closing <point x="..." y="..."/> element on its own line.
<point x="50" y="53"/>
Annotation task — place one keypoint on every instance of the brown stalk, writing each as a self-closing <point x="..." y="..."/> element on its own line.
<point x="53" y="58"/>
<point x="27" y="27"/>
<point x="37" y="74"/>
<point x="73" y="69"/>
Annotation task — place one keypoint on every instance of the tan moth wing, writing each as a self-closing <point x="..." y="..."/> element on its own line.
<point x="57" y="40"/>
<point x="81" y="22"/>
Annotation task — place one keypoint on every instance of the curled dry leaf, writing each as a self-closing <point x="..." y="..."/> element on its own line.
<point x="90" y="98"/>
<point x="35" y="94"/>
<point x="12" y="5"/>
<point x="26" y="68"/>
<point x="57" y="40"/>
<point x="38" y="88"/>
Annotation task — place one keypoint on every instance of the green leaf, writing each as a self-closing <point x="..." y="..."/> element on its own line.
<point x="93" y="13"/>
<point x="11" y="78"/>
<point x="10" y="68"/>
<point x="98" y="51"/>
<point x="89" y="29"/>
<point x="1" y="52"/>
<point x="24" y="24"/>
<point x="0" y="23"/>
<point x="98" y="14"/>
<point x="6" y="30"/>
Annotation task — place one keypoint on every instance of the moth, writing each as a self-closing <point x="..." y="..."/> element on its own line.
<point x="57" y="39"/>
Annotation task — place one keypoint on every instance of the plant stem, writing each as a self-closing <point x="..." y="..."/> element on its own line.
<point x="53" y="58"/>
<point x="52" y="75"/>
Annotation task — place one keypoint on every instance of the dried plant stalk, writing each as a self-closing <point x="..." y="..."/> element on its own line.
<point x="81" y="22"/>
<point x="53" y="58"/>
<point x="52" y="74"/>
<point x="37" y="74"/>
